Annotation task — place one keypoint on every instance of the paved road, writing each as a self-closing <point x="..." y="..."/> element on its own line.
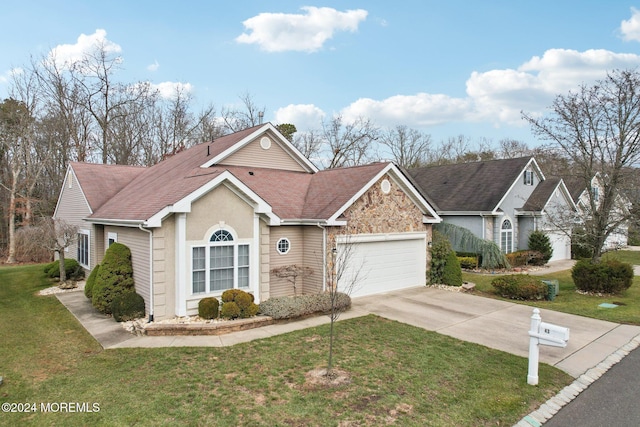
<point x="612" y="401"/>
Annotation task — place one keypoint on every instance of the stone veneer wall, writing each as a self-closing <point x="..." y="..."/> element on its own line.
<point x="376" y="212"/>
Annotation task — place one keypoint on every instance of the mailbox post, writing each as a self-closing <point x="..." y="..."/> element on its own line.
<point x="545" y="334"/>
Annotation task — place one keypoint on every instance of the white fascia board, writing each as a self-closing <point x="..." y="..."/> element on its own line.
<point x="380" y="237"/>
<point x="297" y="155"/>
<point x="184" y="205"/>
<point x="400" y="180"/>
<point x="116" y="222"/>
<point x="470" y="213"/>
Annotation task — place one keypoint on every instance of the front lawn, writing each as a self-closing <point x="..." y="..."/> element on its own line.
<point x="400" y="374"/>
<point x="569" y="301"/>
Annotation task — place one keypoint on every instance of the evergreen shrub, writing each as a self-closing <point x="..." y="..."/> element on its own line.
<point x="303" y="305"/>
<point x="452" y="273"/>
<point x="608" y="277"/>
<point x="520" y="287"/>
<point x="540" y="242"/>
<point x="114" y="278"/>
<point x="127" y="306"/>
<point x="243" y="305"/>
<point x="91" y="281"/>
<point x="208" y="308"/>
<point x="72" y="268"/>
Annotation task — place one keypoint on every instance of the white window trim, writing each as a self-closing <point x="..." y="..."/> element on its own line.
<point x="528" y="177"/>
<point x="88" y="234"/>
<point x="283" y="239"/>
<point x="207" y="244"/>
<point x="505" y="231"/>
<point x="112" y="236"/>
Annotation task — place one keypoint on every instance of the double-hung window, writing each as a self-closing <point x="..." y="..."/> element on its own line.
<point x="528" y="177"/>
<point x="222" y="264"/>
<point x="506" y="237"/>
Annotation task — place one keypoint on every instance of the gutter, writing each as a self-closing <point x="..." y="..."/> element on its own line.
<point x="151" y="298"/>
<point x="324" y="256"/>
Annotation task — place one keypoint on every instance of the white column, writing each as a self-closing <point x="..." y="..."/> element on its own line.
<point x="255" y="263"/>
<point x="534" y="347"/>
<point x="181" y="264"/>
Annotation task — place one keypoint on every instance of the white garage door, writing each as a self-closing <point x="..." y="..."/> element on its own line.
<point x="383" y="263"/>
<point x="561" y="245"/>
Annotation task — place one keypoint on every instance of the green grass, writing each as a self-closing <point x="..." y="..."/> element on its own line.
<point x="400" y="374"/>
<point x="569" y="301"/>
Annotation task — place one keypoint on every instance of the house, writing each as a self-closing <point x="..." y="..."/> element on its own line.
<point x="500" y="200"/>
<point x="222" y="215"/>
<point x="582" y="194"/>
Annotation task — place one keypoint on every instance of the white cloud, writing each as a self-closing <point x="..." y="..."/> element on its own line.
<point x="498" y="96"/>
<point x="630" y="29"/>
<point x="66" y="55"/>
<point x="10" y="74"/>
<point x="154" y="66"/>
<point x="422" y="109"/>
<point x="169" y="90"/>
<point x="278" y="32"/>
<point x="304" y="116"/>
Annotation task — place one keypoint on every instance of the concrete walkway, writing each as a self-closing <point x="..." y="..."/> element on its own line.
<point x="493" y="323"/>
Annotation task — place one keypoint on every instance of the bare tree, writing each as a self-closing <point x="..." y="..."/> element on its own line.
<point x="349" y="144"/>
<point x="238" y="119"/>
<point x="409" y="147"/>
<point x="56" y="236"/>
<point x="308" y="143"/>
<point x="344" y="273"/>
<point x="597" y="128"/>
<point x="291" y="273"/>
<point x="512" y="148"/>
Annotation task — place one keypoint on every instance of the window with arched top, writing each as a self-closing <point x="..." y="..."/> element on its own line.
<point x="506" y="237"/>
<point x="222" y="264"/>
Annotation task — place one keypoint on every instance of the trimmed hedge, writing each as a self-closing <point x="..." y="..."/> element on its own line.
<point x="608" y="277"/>
<point x="468" y="262"/>
<point x="525" y="257"/>
<point x="520" y="287"/>
<point x="208" y="308"/>
<point x="91" y="281"/>
<point x="73" y="270"/>
<point x="303" y="305"/>
<point x="114" y="278"/>
<point x="127" y="306"/>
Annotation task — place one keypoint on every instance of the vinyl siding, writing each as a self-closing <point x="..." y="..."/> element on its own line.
<point x="312" y="257"/>
<point x="72" y="208"/>
<point x="281" y="287"/>
<point x="164" y="270"/>
<point x="254" y="155"/>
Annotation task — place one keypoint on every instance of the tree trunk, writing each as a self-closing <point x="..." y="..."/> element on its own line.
<point x="12" y="223"/>
<point x="63" y="271"/>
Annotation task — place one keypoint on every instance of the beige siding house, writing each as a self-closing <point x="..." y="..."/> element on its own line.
<point x="224" y="214"/>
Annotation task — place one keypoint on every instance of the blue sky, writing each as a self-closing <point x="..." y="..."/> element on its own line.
<point x="446" y="68"/>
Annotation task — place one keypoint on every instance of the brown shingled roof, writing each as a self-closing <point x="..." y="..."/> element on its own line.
<point x="99" y="183"/>
<point x="476" y="186"/>
<point x="541" y="195"/>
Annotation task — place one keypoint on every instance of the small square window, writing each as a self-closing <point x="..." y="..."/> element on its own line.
<point x="283" y="246"/>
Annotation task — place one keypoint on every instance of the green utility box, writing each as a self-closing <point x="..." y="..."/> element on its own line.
<point x="553" y="289"/>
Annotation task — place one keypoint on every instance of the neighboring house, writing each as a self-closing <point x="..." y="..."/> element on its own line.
<point x="499" y="200"/>
<point x="222" y="215"/>
<point x="581" y="196"/>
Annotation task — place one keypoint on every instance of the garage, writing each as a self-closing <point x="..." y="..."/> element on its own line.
<point x="561" y="244"/>
<point x="382" y="262"/>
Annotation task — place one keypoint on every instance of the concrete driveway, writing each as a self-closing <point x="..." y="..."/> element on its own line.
<point x="500" y="325"/>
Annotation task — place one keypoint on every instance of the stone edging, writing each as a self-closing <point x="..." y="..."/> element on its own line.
<point x="570" y="392"/>
<point x="199" y="328"/>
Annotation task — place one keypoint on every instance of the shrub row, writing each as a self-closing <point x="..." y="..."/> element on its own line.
<point x="609" y="277"/>
<point x="73" y="270"/>
<point x="303" y="305"/>
<point x="520" y="287"/>
<point x="237" y="303"/>
<point x="468" y="262"/>
<point x="525" y="257"/>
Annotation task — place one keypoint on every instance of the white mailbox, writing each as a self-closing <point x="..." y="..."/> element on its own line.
<point x="554" y="335"/>
<point x="545" y="334"/>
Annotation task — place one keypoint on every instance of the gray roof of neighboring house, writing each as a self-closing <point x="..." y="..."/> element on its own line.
<point x="477" y="186"/>
<point x="541" y="195"/>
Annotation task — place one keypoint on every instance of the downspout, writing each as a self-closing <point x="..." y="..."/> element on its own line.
<point x="151" y="298"/>
<point x="324" y="256"/>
